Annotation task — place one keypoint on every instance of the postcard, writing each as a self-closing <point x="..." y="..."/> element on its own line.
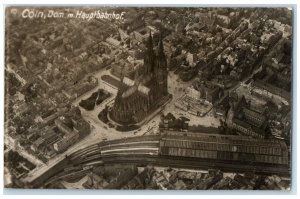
<point x="161" y="98"/>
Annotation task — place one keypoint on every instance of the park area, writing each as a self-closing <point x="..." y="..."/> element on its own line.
<point x="95" y="99"/>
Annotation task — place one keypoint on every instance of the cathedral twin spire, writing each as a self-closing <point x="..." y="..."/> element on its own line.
<point x="160" y="47"/>
<point x="150" y="56"/>
<point x="149" y="44"/>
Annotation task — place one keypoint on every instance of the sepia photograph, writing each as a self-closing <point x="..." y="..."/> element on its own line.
<point x="148" y="98"/>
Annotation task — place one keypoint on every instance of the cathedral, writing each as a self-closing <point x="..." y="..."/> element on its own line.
<point x="137" y="98"/>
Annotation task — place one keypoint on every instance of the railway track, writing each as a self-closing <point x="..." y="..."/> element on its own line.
<point x="146" y="151"/>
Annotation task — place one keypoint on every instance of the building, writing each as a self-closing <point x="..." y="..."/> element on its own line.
<point x="207" y="91"/>
<point x="125" y="68"/>
<point x="66" y="141"/>
<point x="138" y="97"/>
<point x="44" y="141"/>
<point x="113" y="41"/>
<point x="191" y="59"/>
<point x="62" y="127"/>
<point x="268" y="90"/>
<point x="140" y="35"/>
<point x="269" y="83"/>
<point x="171" y="122"/>
<point x="228" y="148"/>
<point x="193" y="93"/>
<point x="247" y="121"/>
<point x="74" y="91"/>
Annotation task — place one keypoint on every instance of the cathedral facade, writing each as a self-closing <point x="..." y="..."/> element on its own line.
<point x="138" y="97"/>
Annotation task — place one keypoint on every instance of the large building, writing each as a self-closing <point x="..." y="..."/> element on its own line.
<point x="246" y="121"/>
<point x="233" y="149"/>
<point x="137" y="97"/>
<point x="269" y="83"/>
<point x="205" y="90"/>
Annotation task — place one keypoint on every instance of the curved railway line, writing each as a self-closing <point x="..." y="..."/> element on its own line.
<point x="142" y="151"/>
